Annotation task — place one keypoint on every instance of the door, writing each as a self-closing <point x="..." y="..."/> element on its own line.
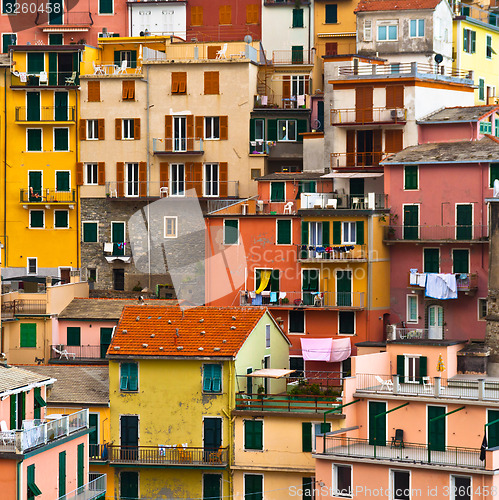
<point x="119" y="279"/>
<point x="310" y="285"/>
<point x="179" y="133"/>
<point x="344" y="288"/>
<point x="132" y="179"/>
<point x="105" y="340"/>
<point x="65" y="273"/>
<point x="129" y="485"/>
<point x="35" y="185"/>
<point x="411" y="222"/>
<point x="129" y="433"/>
<point x="249" y="381"/>
<point x="320" y="116"/>
<point x="55" y="15"/>
<point x="64" y="67"/>
<point x="93" y="436"/>
<point x="212" y="486"/>
<point x="118" y="237"/>
<point x="377" y="426"/>
<point x="365" y="148"/>
<point x="436" y="429"/>
<point x="356" y="187"/>
<point x="364" y="104"/>
<point x="33" y="106"/>
<point x="492" y="430"/>
<point x="61" y="106"/>
<point x="464" y="220"/>
<point x="212" y="435"/>
<point x="435" y="322"/>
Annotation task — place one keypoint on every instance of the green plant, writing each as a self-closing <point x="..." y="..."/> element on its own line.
<point x="137" y="287"/>
<point x="260" y="390"/>
<point x="285" y="300"/>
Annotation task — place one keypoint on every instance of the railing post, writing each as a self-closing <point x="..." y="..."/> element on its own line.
<point x="481" y="389"/>
<point x="396" y="384"/>
<point x="438" y="384"/>
<point x="414" y="67"/>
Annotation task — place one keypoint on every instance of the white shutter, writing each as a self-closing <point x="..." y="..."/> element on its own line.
<point x="368" y="32"/>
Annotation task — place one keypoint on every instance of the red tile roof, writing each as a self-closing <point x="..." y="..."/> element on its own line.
<point x="168" y="331"/>
<point x="373" y="5"/>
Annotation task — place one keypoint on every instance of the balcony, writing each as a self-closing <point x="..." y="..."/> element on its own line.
<point x="292" y="57"/>
<point x="184" y="146"/>
<point x="67" y="18"/>
<point x="285" y="2"/>
<point x="335" y="253"/>
<point x="359" y="160"/>
<point x="168" y="456"/>
<point x="482" y="15"/>
<point x="465" y="282"/>
<point x="64" y="353"/>
<point x="106" y="69"/>
<point x="356" y="116"/>
<point x="47" y="114"/>
<point x="37" y="433"/>
<point x="47" y="196"/>
<point x="13" y="308"/>
<point x="333" y="201"/>
<point x="117" y="251"/>
<point x="443" y="234"/>
<point x="411" y="453"/>
<point x="98" y="452"/>
<point x="274" y="101"/>
<point x="325" y="300"/>
<point x="49" y="79"/>
<point x="285" y="403"/>
<point x="92" y="490"/>
<point x="408" y="333"/>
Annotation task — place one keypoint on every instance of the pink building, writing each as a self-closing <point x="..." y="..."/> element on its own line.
<point x="438" y="232"/>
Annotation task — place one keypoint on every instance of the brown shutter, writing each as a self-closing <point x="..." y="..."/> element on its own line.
<point x="224" y="127"/>
<point x="168" y="132"/>
<point x="182" y="82"/>
<point x="212" y="51"/>
<point x="79" y="173"/>
<point x="350" y="148"/>
<point x="393" y="141"/>
<point x="390" y="101"/>
<point x="199" y="127"/>
<point x="286" y="87"/>
<point x="389" y="141"/>
<point x="377" y="146"/>
<point x="120" y="177"/>
<point x="142" y="178"/>
<point x="307" y="84"/>
<point x="102" y="129"/>
<point x="93" y="91"/>
<point x="198" y="178"/>
<point x="395" y="96"/>
<point x="131" y="90"/>
<point x="223" y="175"/>
<point x="164" y="170"/>
<point x="364" y="104"/>
<point x="190" y="132"/>
<point x="189" y="176"/>
<point x="331" y="48"/>
<point x="124" y="90"/>
<point x="101" y="173"/>
<point x="174" y="83"/>
<point x="136" y="128"/>
<point x="117" y="129"/>
<point x="82" y="130"/>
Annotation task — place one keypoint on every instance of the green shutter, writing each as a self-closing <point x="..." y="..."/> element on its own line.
<point x="473" y="42"/>
<point x="28" y="334"/>
<point x="81" y="465"/>
<point x="33" y="105"/>
<point x="411" y="177"/>
<point x="302" y="127"/>
<point x="89" y="232"/>
<point x="272" y="130"/>
<point x="377" y="426"/>
<point x="211" y="487"/>
<point x="258" y="434"/>
<point x="465" y="40"/>
<point x="331" y="13"/>
<point x="231" y="233"/>
<point x="33" y="490"/>
<point x="124" y="375"/>
<point x="359" y="231"/>
<point x="274" y="280"/>
<point x="437" y="428"/>
<point x="208" y="376"/>
<point x="277" y="191"/>
<point x="252" y="129"/>
<point x="34" y="139"/>
<point x="464" y="220"/>
<point x="297" y="18"/>
<point x="105" y="6"/>
<point x="61" y="218"/>
<point x="61" y="139"/>
<point x="297" y="54"/>
<point x="347" y="322"/>
<point x="325" y="427"/>
<point x="308" y="487"/>
<point x="61" y="106"/>
<point x="325" y="233"/>
<point x="22" y="405"/>
<point x="493" y="430"/>
<point x="336" y="232"/>
<point x="39" y="402"/>
<point x="36" y="62"/>
<point x="53" y="68"/>
<point x="62" y="473"/>
<point x="217" y="378"/>
<point x="400" y="367"/>
<point x="431" y="260"/>
<point x="423" y="368"/>
<point x="13" y="412"/>
<point x="253" y="487"/>
<point x="133" y="383"/>
<point x="304" y="233"/>
<point x="284" y="232"/>
<point x="133" y="59"/>
<point x="117" y="57"/>
<point x="253" y="434"/>
<point x="306" y="436"/>
<point x="73" y="336"/>
<point x="62" y="181"/>
<point x="460" y="261"/>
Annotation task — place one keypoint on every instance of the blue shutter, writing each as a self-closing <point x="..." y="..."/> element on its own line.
<point x="133" y="377"/>
<point x="124" y="372"/>
<point x="217" y="378"/>
<point x="207" y="377"/>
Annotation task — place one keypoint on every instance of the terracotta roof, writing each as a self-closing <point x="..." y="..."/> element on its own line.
<point x="374" y="5"/>
<point x="170" y="331"/>
<point x="459" y="114"/>
<point x="12" y="378"/>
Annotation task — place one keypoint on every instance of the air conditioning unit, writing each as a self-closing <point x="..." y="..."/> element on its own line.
<point x="259" y="205"/>
<point x="397" y="114"/>
<point x="391" y="332"/>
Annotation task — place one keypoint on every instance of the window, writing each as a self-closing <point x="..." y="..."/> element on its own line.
<point x="296" y="54"/>
<point x="36" y="219"/>
<point x="92" y="274"/>
<point x="460" y="261"/>
<point x="331" y="13"/>
<point x="253" y="486"/>
<point x="32" y="489"/>
<point x="90" y="232"/>
<point x="73" y="336"/>
<point x="170" y="227"/>
<point x="485" y="127"/>
<point x="131" y="179"/>
<point x="179" y="81"/>
<point x="91" y="173"/>
<point x="252" y="14"/>
<point x="128" y="90"/>
<point x="8" y="39"/>
<point x="61" y="139"/>
<point x="28" y="334"/>
<point x="231" y="232"/>
<point x="277" y="191"/>
<point x="253" y="434"/>
<point x="308" y="488"/>
<point x="127" y="130"/>
<point x="431" y="260"/>
<point x="130" y="56"/>
<point x="283" y="232"/>
<point x="482" y="309"/>
<point x="319" y="430"/>
<point x="286" y="130"/>
<point x="62" y="181"/>
<point x="212" y="127"/>
<point x="211" y="82"/>
<point x="297" y="18"/>
<point x="296" y="322"/>
<point x="105" y="6"/>
<point x="56" y="39"/>
<point x="348" y="232"/>
<point x="488" y="48"/>
<point x="368" y="31"/>
<point x="401" y="484"/>
<point x="387" y="31"/>
<point x="177" y="179"/>
<point x="411" y="368"/>
<point x="129" y="377"/>
<point x="481" y="89"/>
<point x="416" y="28"/>
<point x="211" y="178"/>
<point x="460" y="488"/>
<point x="412" y="309"/>
<point x="225" y="14"/>
<point x="346" y="323"/>
<point x="61" y="219"/>
<point x="299" y="85"/>
<point x="306" y="436"/>
<point x="179" y="133"/>
<point x="34" y="139"/>
<point x="92" y="130"/>
<point x="298" y="364"/>
<point x="212" y="378"/>
<point x="267" y="336"/>
<point x="8" y="6"/>
<point x="212" y="487"/>
<point x="93" y="91"/>
<point x="493" y="173"/>
<point x="32" y="266"/>
<point x="342" y="480"/>
<point x="469" y="41"/>
<point x="411" y="177"/>
<point x="36" y="62"/>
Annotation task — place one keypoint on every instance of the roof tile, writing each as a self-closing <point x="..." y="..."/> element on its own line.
<point x="374" y="5"/>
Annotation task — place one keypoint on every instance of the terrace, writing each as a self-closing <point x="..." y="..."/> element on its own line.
<point x="437" y="233"/>
<point x="47" y="196"/>
<point x="94" y="489"/>
<point x="64" y="353"/>
<point x="11" y="308"/>
<point x="295" y="403"/>
<point x="325" y="300"/>
<point x="359" y="116"/>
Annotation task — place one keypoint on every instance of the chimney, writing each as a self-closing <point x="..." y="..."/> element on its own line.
<point x="492" y="329"/>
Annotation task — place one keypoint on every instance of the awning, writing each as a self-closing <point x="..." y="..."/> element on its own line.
<point x="326" y="349"/>
<point x="351" y="175"/>
<point x="121" y="258"/>
<point x="270" y="373"/>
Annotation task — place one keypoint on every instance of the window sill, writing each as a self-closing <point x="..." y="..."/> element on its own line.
<point x="212" y="393"/>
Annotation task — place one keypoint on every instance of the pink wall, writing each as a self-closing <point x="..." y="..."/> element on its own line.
<point x="291" y="189"/>
<point x="8" y="478"/>
<point x="30" y="409"/>
<point x="378" y="363"/>
<point x="90" y="331"/>
<point x="447" y="132"/>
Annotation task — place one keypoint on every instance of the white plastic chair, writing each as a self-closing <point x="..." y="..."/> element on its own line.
<point x="63" y="353"/>
<point x="427" y="386"/>
<point x="98" y="70"/>
<point x="386" y="385"/>
<point x="122" y="69"/>
<point x="222" y="53"/>
<point x="288" y="207"/>
<point x="163" y="192"/>
<point x="71" y="80"/>
<point x="7" y="436"/>
<point x="44" y="79"/>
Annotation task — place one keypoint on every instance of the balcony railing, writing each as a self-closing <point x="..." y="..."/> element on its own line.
<point x="452" y="456"/>
<point x="76" y="352"/>
<point x="66" y="18"/>
<point x="96" y="488"/>
<point x="182" y="146"/>
<point x="41" y="432"/>
<point x="333" y="300"/>
<point x="465" y="282"/>
<point x="333" y="253"/>
<point x="347" y="116"/>
<point x="369" y="201"/>
<point x="293" y="57"/>
<point x="51" y="78"/>
<point x="483" y="15"/>
<point x="285" y="403"/>
<point x="356" y="160"/>
<point x="408" y="333"/>
<point x="46" y="114"/>
<point x="168" y="455"/>
<point x="111" y="69"/>
<point x="47" y="196"/>
<point x="437" y="233"/>
<point x="98" y="452"/>
<point x="274" y="101"/>
<point x="11" y="308"/>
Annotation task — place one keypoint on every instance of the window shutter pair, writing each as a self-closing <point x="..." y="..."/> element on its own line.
<point x="252" y="16"/>
<point x="197" y="15"/>
<point x="194" y="177"/>
<point x="179" y="82"/>
<point x="120" y="177"/>
<point x="118" y="129"/>
<point x="225" y="14"/>
<point x="128" y="90"/>
<point x="211" y="82"/>
<point x="395" y="96"/>
<point x="93" y="91"/>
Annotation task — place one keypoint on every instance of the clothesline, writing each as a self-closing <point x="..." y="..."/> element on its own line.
<point x="322" y="249"/>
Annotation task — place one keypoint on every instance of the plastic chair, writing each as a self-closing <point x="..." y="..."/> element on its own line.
<point x="163" y="191"/>
<point x="71" y="79"/>
<point x="98" y="70"/>
<point x="63" y="353"/>
<point x="398" y="439"/>
<point x="385" y="384"/>
<point x="122" y="69"/>
<point x="288" y="207"/>
<point x="222" y="53"/>
<point x="44" y="79"/>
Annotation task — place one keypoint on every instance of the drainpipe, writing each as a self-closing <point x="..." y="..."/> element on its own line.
<point x="232" y="388"/>
<point x="148" y="177"/>
<point x="77" y="194"/>
<point x="5" y="166"/>
<point x="370" y="251"/>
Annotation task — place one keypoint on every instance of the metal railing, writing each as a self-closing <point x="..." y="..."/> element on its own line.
<point x="259" y="147"/>
<point x="53" y="78"/>
<point x="465" y="282"/>
<point x="40" y="432"/>
<point x="356" y="160"/>
<point x="168" y="455"/>
<point x="337" y="300"/>
<point x="279" y="101"/>
<point x="96" y="488"/>
<point x="411" y="452"/>
<point x="286" y="402"/>
<point x="313" y="253"/>
<point x="11" y="308"/>
<point x="483" y="15"/>
<point x="46" y="114"/>
<point x="98" y="451"/>
<point x="75" y="351"/>
<point x="67" y="17"/>
<point x="369" y="201"/>
<point x="31" y="195"/>
<point x="293" y="56"/>
<point x="411" y="333"/>
<point x="178" y="146"/>
<point x="368" y="115"/>
<point x="436" y="233"/>
<point x="111" y="68"/>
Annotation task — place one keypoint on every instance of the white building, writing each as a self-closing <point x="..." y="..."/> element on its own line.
<point x="157" y="18"/>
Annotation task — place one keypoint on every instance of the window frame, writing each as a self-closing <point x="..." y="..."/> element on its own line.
<point x="480" y="316"/>
<point x="244" y="483"/>
<point x="349" y="224"/>
<point x="83" y="222"/>
<point x="392" y="481"/>
<point x="439" y="260"/>
<point x="21" y="346"/>
<point x="68" y="138"/>
<point x="28" y="259"/>
<point x="406" y="188"/>
<point x="408" y="317"/>
<point x="105" y="13"/>
<point x="209" y="193"/>
<point x="481" y="89"/>
<point x="297" y="20"/>
<point x="285" y="124"/>
<point x="387" y="24"/>
<point x="225" y="235"/>
<point x="211" y="390"/>
<point x="69" y="181"/>
<point x="43" y="218"/>
<point x="178" y="182"/>
<point x="469" y="260"/>
<point x="174" y="233"/>
<point x="41" y="140"/>
<point x="469" y="41"/>
<point x="336" y="491"/>
<point x="344" y="334"/>
<point x="267" y="336"/>
<point x="452" y="483"/>
<point x="4" y="34"/>
<point x="92" y="171"/>
<point x="335" y="13"/>
<point x="126" y="389"/>
<point x="488" y="47"/>
<point x="290" y="221"/>
<point x="91" y="131"/>
<point x="417" y="24"/>
<point x="55" y="219"/>
<point x="304" y="322"/>
<point x="130" y="129"/>
<point x="215" y="128"/>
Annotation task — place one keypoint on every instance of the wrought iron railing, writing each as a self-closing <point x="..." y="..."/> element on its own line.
<point x="435" y="233"/>
<point x="356" y="159"/>
<point x="339" y="300"/>
<point x="46" y="114"/>
<point x="368" y="115"/>
<point x="183" y="145"/>
<point x="302" y="56"/>
<point x="23" y="306"/>
<point x="34" y="195"/>
<point x="63" y="351"/>
<point x="331" y="253"/>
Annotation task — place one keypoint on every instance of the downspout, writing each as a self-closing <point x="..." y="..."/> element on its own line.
<point x="232" y="388"/>
<point x="370" y="252"/>
<point x="309" y="34"/>
<point x="5" y="166"/>
<point x="148" y="180"/>
<point x="77" y="155"/>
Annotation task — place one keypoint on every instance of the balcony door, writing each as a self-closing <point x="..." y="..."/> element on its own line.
<point x="33" y="106"/>
<point x="436" y="428"/>
<point x="310" y="285"/>
<point x="411" y="222"/>
<point x="132" y="179"/>
<point x="377" y="426"/>
<point x="118" y="237"/>
<point x="464" y="222"/>
<point x="35" y="185"/>
<point x="105" y="341"/>
<point x="179" y="133"/>
<point x="435" y="322"/>
<point x="212" y="434"/>
<point x="55" y="15"/>
<point x="343" y="288"/>
<point x="129" y="436"/>
<point x="60" y="106"/>
<point x="364" y="104"/>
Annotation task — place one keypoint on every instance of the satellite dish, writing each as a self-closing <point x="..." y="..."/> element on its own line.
<point x="248" y="38"/>
<point x="439" y="58"/>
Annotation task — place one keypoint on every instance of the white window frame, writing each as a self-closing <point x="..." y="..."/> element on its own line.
<point x="392" y="482"/>
<point x="174" y="233"/>
<point x="11" y="34"/>
<point x="387" y="24"/>
<point x="253" y="474"/>
<point x="409" y="319"/>
<point x="92" y="130"/>
<point x="123" y="223"/>
<point x="55" y="175"/>
<point x="174" y="167"/>
<point x="479" y="312"/>
<point x="304" y="322"/>
<point x="29" y="218"/>
<point x="290" y="233"/>
<point x="127" y="129"/>
<point x="94" y="175"/>
<point x="263" y="434"/>
<point x="215" y="120"/>
<point x="112" y="14"/>
<point x="344" y="231"/>
<point x="452" y="485"/>
<point x="41" y="140"/>
<point x="418" y="26"/>
<point x="28" y="259"/>
<point x="452" y="258"/>
<point x="334" y="482"/>
<point x="132" y="183"/>
<point x="179" y="128"/>
<point x="53" y="139"/>
<point x="83" y="222"/>
<point x="286" y="124"/>
<point x="472" y="216"/>
<point x="408" y="359"/>
<point x="66" y="227"/>
<point x="368" y="30"/>
<point x="297" y="84"/>
<point x="211" y="187"/>
<point x="238" y="232"/>
<point x="340" y="334"/>
<point x="267" y="336"/>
